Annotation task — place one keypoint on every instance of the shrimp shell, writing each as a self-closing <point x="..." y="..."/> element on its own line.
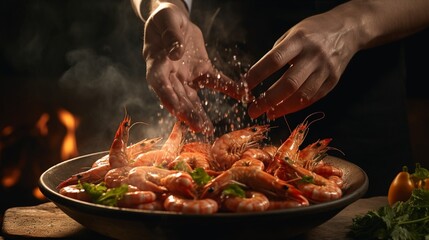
<point x="193" y="206"/>
<point x="74" y="192"/>
<point x="252" y="202"/>
<point x="229" y="147"/>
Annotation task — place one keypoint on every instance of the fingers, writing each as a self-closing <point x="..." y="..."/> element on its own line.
<point x="183" y="102"/>
<point x="274" y="60"/>
<point x="298" y="102"/>
<point x="299" y="87"/>
<point x="218" y="81"/>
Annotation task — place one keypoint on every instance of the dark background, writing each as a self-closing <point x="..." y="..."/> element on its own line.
<point x="85" y="57"/>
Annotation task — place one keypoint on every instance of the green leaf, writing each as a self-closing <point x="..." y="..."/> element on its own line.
<point x="420" y="172"/>
<point x="200" y="176"/>
<point x="100" y="194"/>
<point x="234" y="190"/>
<point x="403" y="220"/>
<point x="307" y="179"/>
<point x="111" y="196"/>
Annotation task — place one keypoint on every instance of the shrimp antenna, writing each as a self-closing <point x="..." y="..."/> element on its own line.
<point x="336" y="149"/>
<point x="138" y="123"/>
<point x="287" y="124"/>
<point x="315" y="120"/>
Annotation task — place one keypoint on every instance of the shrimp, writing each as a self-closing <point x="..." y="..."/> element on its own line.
<point x="117" y="176"/>
<point x="192" y="206"/>
<point x="198" y="147"/>
<point x="168" y="152"/>
<point x="290" y="148"/>
<point x="74" y="192"/>
<point x="248" y="162"/>
<point x="101" y="161"/>
<point x="189" y="161"/>
<point x="314" y="152"/>
<point x="92" y="175"/>
<point x="180" y="183"/>
<point x="258" y="153"/>
<point x="327" y="170"/>
<point x="337" y="180"/>
<point x="229" y="147"/>
<point x="255" y="179"/>
<point x="252" y="202"/>
<point x="318" y="189"/>
<point x="132" y="151"/>
<point x="142" y="146"/>
<point x="117" y="155"/>
<point x="131" y="199"/>
<point x="148" y="178"/>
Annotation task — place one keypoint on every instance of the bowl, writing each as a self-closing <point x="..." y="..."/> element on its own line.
<point x="122" y="223"/>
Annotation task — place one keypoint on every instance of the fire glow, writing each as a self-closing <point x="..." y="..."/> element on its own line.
<point x="69" y="146"/>
<point x="26" y="151"/>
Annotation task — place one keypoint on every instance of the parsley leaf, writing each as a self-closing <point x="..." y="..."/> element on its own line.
<point x="234" y="190"/>
<point x="200" y="176"/>
<point x="403" y="220"/>
<point x="100" y="194"/>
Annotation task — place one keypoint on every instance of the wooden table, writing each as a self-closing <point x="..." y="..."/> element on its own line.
<point x="48" y="221"/>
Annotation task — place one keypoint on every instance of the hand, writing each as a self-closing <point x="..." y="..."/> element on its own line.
<point x="317" y="50"/>
<point x="178" y="65"/>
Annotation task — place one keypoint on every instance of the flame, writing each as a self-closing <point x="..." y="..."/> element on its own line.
<point x="6" y="131"/>
<point x="38" y="194"/>
<point x="41" y="124"/>
<point x="69" y="146"/>
<point x="11" y="177"/>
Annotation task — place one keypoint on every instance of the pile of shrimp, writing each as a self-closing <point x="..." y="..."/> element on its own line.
<point x="159" y="176"/>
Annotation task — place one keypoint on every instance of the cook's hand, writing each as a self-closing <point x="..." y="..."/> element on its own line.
<point x="178" y="65"/>
<point x="317" y="50"/>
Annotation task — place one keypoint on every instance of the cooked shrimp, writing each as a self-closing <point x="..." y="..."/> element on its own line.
<point x="327" y="170"/>
<point x="142" y="146"/>
<point x="229" y="147"/>
<point x="249" y="162"/>
<point x="319" y="189"/>
<point x="148" y="178"/>
<point x="74" y="192"/>
<point x="101" y="161"/>
<point x="168" y="152"/>
<point x="255" y="179"/>
<point x="189" y="161"/>
<point x="180" y="183"/>
<point x="117" y="155"/>
<point x="131" y="199"/>
<point x="314" y="152"/>
<point x="92" y="175"/>
<point x="117" y="176"/>
<point x="192" y="206"/>
<point x="258" y="153"/>
<point x="337" y="180"/>
<point x="252" y="202"/>
<point x="132" y="151"/>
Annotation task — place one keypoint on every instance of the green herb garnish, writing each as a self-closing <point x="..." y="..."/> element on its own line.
<point x="200" y="176"/>
<point x="100" y="194"/>
<point x="404" y="220"/>
<point x="234" y="190"/>
<point x="307" y="179"/>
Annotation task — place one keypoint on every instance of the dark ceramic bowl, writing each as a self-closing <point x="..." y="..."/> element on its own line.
<point x="139" y="224"/>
